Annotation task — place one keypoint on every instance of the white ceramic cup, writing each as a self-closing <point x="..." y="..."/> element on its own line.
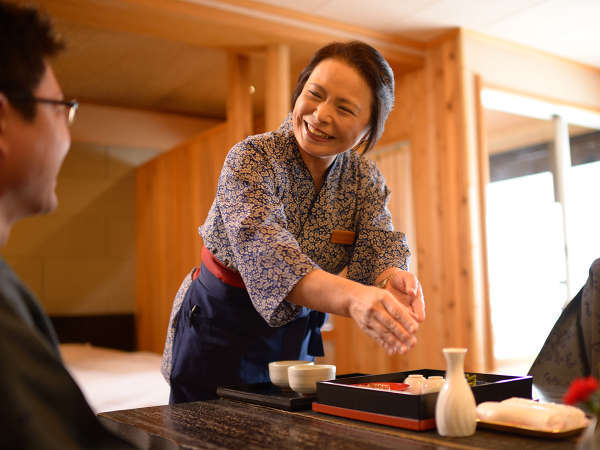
<point x="278" y="371"/>
<point x="303" y="378"/>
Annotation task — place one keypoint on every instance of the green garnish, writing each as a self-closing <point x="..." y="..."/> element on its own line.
<point x="471" y="379"/>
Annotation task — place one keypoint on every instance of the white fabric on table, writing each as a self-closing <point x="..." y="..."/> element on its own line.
<point x="523" y="412"/>
<point x="113" y="379"/>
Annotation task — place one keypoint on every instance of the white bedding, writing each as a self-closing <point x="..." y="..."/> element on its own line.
<point x="113" y="379"/>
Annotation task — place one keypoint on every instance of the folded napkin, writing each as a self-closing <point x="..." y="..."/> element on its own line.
<point x="523" y="412"/>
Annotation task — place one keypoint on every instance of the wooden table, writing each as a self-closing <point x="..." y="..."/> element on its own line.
<point x="233" y="425"/>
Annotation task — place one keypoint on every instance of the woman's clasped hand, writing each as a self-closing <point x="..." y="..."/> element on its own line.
<point x="391" y="315"/>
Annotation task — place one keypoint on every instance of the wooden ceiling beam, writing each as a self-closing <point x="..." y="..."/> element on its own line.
<point x="225" y="24"/>
<point x="277" y="82"/>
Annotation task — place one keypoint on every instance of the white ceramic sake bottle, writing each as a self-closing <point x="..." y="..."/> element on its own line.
<point x="455" y="409"/>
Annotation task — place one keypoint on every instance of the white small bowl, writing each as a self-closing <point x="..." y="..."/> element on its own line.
<point x="278" y="372"/>
<point x="303" y="378"/>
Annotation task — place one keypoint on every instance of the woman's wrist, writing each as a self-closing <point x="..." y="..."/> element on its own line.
<point x="384" y="277"/>
<point x="324" y="292"/>
<point x="384" y="281"/>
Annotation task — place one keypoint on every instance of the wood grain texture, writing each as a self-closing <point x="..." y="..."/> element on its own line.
<point x="239" y="100"/>
<point x="173" y="195"/>
<point x="278" y="89"/>
<point x="483" y="179"/>
<point x="227" y="24"/>
<point x="448" y="163"/>
<point x="232" y="425"/>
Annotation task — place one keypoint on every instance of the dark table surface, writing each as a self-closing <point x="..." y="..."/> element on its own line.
<point x="230" y="424"/>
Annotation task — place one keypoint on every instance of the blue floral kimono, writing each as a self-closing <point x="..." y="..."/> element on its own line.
<point x="271" y="226"/>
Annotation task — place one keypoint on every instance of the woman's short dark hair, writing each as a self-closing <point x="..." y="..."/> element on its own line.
<point x="26" y="39"/>
<point x="372" y="67"/>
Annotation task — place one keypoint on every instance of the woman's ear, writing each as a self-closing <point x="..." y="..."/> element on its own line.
<point x="362" y="141"/>
<point x="357" y="147"/>
<point x="367" y="135"/>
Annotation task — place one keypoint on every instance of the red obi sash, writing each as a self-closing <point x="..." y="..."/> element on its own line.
<point x="220" y="270"/>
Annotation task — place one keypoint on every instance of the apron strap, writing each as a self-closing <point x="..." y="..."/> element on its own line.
<point x="195" y="273"/>
<point x="316" y="319"/>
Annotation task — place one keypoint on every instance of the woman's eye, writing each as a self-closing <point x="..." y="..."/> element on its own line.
<point x="346" y="110"/>
<point x="314" y="94"/>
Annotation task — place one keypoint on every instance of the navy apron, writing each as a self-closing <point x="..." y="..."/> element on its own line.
<point x="221" y="340"/>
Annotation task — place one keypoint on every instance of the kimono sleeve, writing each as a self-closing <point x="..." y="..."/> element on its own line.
<point x="377" y="246"/>
<point x="266" y="254"/>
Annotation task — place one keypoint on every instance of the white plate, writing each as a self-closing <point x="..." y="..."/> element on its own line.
<point x="529" y="431"/>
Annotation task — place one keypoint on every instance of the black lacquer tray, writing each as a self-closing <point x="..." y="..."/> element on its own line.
<point x="417" y="412"/>
<point x="267" y="394"/>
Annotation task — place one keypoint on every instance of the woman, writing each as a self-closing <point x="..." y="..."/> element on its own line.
<point x="294" y="207"/>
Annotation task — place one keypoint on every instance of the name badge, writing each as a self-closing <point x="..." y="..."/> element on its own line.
<point x="343" y="237"/>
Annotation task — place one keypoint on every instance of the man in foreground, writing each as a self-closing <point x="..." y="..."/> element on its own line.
<point x="42" y="407"/>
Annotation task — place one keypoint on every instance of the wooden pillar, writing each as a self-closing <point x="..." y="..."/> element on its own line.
<point x="277" y="86"/>
<point x="239" y="100"/>
<point x="449" y="238"/>
<point x="483" y="178"/>
<point x="561" y="163"/>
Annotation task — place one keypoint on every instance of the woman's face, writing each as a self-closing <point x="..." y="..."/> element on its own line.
<point x="332" y="113"/>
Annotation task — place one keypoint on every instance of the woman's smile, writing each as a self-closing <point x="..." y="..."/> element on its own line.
<point x="316" y="133"/>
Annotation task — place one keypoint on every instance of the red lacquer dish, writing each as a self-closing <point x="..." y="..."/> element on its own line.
<point x="383" y="386"/>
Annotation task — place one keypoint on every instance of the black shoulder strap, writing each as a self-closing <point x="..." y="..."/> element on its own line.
<point x="582" y="349"/>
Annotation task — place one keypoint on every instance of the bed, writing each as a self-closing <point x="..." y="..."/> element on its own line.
<point x="98" y="352"/>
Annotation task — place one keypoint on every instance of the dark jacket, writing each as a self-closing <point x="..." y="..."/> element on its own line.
<point x="42" y="407"/>
<point x="572" y="348"/>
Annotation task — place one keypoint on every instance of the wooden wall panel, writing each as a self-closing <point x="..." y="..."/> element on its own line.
<point x="482" y="169"/>
<point x="444" y="222"/>
<point x="413" y="87"/>
<point x="173" y="195"/>
<point x="442" y="214"/>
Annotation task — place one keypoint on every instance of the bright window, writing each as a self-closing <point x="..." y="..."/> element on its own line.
<point x="585" y="224"/>
<point x="526" y="264"/>
<point x="530" y="259"/>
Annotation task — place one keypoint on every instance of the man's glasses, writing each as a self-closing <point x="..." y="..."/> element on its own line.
<point x="70" y="106"/>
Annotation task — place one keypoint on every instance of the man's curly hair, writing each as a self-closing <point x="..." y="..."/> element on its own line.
<point x="27" y="38"/>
